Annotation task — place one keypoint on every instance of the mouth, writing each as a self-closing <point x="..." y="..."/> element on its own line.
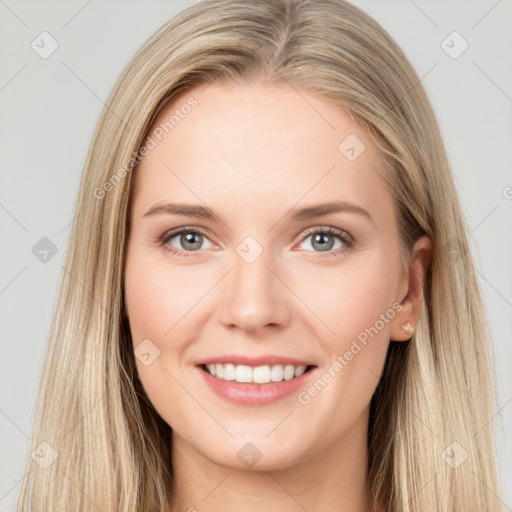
<point x="255" y="381"/>
<point x="262" y="374"/>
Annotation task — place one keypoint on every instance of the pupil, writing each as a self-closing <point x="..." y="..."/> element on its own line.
<point x="188" y="241"/>
<point x="320" y="237"/>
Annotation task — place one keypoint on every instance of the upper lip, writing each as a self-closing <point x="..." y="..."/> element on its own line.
<point x="254" y="361"/>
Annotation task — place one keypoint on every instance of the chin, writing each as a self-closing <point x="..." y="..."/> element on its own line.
<point x="256" y="454"/>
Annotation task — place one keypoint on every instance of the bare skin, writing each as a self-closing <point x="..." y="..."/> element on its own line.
<point x="252" y="153"/>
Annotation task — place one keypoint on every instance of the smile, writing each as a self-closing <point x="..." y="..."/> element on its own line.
<point x="257" y="374"/>
<point x="255" y="381"/>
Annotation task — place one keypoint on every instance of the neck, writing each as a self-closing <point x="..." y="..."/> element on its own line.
<point x="330" y="479"/>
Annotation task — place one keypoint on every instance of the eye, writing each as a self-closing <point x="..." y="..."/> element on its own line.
<point x="184" y="242"/>
<point x="324" y="240"/>
<point x="188" y="240"/>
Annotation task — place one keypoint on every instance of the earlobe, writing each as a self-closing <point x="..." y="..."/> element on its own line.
<point x="404" y="324"/>
<point x="401" y="331"/>
<point x="408" y="328"/>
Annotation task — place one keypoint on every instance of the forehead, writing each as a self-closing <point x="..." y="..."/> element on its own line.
<point x="258" y="145"/>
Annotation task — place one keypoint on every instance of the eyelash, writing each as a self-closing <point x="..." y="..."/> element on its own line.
<point x="347" y="240"/>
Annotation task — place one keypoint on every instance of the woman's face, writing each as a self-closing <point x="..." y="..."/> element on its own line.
<point x="262" y="236"/>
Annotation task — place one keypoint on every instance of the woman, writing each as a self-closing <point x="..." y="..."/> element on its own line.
<point x="271" y="298"/>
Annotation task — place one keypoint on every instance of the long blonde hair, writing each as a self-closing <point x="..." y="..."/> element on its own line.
<point x="98" y="442"/>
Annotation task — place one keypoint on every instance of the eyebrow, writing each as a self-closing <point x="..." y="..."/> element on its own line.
<point x="295" y="214"/>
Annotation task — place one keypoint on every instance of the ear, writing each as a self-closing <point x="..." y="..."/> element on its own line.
<point x="411" y="292"/>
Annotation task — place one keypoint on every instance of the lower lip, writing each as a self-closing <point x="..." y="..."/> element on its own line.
<point x="243" y="393"/>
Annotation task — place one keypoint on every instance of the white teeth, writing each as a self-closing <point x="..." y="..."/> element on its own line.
<point x="276" y="373"/>
<point x="289" y="372"/>
<point x="229" y="371"/>
<point x="261" y="374"/>
<point x="258" y="374"/>
<point x="242" y="373"/>
<point x="300" y="370"/>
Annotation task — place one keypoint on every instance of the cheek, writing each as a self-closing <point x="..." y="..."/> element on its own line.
<point x="355" y="304"/>
<point x="159" y="304"/>
<point x="356" y="309"/>
<point x="158" y="299"/>
<point x="350" y="298"/>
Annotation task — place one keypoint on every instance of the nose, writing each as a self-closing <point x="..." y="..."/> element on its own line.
<point x="254" y="297"/>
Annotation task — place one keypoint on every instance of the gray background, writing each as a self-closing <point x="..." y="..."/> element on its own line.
<point x="50" y="106"/>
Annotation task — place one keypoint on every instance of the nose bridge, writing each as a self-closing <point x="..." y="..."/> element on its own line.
<point x="254" y="296"/>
